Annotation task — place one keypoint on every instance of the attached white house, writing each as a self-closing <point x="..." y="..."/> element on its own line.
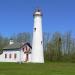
<point x="16" y="52"/>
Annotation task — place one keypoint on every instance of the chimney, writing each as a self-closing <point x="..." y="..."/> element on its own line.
<point x="11" y="42"/>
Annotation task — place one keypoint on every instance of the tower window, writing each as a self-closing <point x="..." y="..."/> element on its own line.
<point x="34" y="29"/>
<point x="41" y="42"/>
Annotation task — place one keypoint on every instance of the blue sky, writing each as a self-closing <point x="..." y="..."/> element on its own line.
<point x="17" y="16"/>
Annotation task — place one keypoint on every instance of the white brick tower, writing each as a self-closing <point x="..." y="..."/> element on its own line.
<point x="37" y="43"/>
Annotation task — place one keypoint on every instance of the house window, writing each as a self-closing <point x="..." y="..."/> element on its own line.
<point x="5" y="55"/>
<point x="9" y="55"/>
<point x="26" y="48"/>
<point x="15" y="55"/>
<point x="23" y="49"/>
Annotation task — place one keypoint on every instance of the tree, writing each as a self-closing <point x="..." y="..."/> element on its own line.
<point x="22" y="37"/>
<point x="54" y="46"/>
<point x="3" y="42"/>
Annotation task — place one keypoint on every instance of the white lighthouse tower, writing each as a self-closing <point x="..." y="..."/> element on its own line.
<point x="37" y="43"/>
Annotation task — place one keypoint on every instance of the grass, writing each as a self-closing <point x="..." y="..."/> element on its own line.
<point x="37" y="69"/>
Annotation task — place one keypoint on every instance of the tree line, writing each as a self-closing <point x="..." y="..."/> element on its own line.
<point x="57" y="46"/>
<point x="60" y="47"/>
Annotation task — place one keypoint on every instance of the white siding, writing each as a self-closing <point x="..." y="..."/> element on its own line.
<point x="20" y="56"/>
<point x="8" y="59"/>
<point x="23" y="57"/>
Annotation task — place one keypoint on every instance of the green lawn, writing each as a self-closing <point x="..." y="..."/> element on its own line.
<point x="37" y="69"/>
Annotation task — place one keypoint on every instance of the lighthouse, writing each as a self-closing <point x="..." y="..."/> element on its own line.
<point x="37" y="42"/>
